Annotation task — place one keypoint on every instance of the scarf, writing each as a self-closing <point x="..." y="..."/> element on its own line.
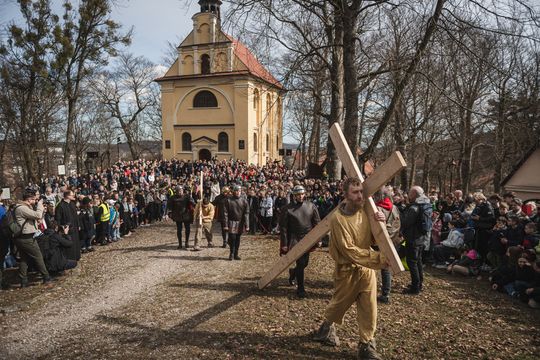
<point x="385" y="204"/>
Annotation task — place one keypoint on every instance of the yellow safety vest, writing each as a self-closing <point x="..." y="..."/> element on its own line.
<point x="106" y="215"/>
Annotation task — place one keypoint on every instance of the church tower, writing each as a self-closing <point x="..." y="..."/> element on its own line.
<point x="217" y="99"/>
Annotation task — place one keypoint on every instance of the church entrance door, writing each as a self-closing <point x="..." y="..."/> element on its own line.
<point x="204" y="154"/>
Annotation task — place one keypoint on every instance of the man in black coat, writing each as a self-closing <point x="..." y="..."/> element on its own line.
<point x="178" y="207"/>
<point x="219" y="203"/>
<point x="484" y="220"/>
<point x="297" y="219"/>
<point x="235" y="218"/>
<point x="416" y="237"/>
<point x="66" y="214"/>
<point x="253" y="202"/>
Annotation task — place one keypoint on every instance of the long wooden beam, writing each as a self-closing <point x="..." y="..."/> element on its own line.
<point x="378" y="228"/>
<point x="390" y="167"/>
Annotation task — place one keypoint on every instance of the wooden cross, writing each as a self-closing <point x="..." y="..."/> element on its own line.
<point x="380" y="177"/>
<point x="199" y="227"/>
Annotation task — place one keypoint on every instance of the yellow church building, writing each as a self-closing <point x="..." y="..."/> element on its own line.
<point x="217" y="100"/>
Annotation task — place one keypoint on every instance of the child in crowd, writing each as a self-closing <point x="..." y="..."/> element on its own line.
<point x="514" y="233"/>
<point x="450" y="246"/>
<point x="497" y="247"/>
<point x="523" y="278"/>
<point x="505" y="273"/>
<point x="437" y="228"/>
<point x="115" y="222"/>
<point x="113" y="219"/>
<point x="467" y="265"/>
<point x="530" y="240"/>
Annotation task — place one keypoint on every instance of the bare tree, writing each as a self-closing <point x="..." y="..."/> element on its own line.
<point x="126" y="94"/>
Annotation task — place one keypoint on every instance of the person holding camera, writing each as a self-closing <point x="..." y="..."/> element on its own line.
<point x="53" y="243"/>
<point x="28" y="214"/>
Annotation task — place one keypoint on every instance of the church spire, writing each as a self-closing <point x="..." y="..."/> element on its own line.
<point x="210" y="6"/>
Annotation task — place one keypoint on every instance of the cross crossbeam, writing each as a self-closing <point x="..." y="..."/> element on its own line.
<point x="380" y="177"/>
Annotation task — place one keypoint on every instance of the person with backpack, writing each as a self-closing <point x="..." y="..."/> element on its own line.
<point x="416" y="224"/>
<point x="27" y="214"/>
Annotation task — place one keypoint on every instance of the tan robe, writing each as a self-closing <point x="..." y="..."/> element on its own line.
<point x="355" y="280"/>
<point x="206" y="226"/>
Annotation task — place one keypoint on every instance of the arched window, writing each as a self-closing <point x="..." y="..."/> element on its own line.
<point x="256" y="99"/>
<point x="223" y="142"/>
<point x="204" y="99"/>
<point x="254" y="142"/>
<point x="267" y="142"/>
<point x="186" y="141"/>
<point x="205" y="64"/>
<point x="268" y="103"/>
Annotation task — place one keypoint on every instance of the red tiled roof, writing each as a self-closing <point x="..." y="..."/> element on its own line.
<point x="251" y="62"/>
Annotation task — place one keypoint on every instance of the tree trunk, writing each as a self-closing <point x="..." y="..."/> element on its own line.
<point x="412" y="162"/>
<point x="69" y="131"/>
<point x="466" y="152"/>
<point x="333" y="165"/>
<point x="315" y="136"/>
<point x="350" y="122"/>
<point x="399" y="118"/>
<point x="500" y="140"/>
<point x="427" y="169"/>
<point x="398" y="92"/>
<point x="133" y="147"/>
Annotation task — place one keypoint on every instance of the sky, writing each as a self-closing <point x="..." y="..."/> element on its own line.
<point x="154" y="22"/>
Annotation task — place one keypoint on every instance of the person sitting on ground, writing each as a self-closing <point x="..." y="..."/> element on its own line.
<point x="52" y="244"/>
<point x="505" y="272"/>
<point x="520" y="280"/>
<point x="467" y="264"/>
<point x="450" y="246"/>
<point x="532" y="293"/>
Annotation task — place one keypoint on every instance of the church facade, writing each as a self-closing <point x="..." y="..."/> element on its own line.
<point x="217" y="100"/>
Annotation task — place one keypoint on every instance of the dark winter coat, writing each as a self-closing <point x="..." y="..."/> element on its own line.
<point x="219" y="203"/>
<point x="296" y="220"/>
<point x="66" y="214"/>
<point x="411" y="222"/>
<point x="236" y="209"/>
<point x="486" y="215"/>
<point x="53" y="246"/>
<point x="179" y="208"/>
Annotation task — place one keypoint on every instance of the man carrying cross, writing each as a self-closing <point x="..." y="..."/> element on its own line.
<point x="355" y="280"/>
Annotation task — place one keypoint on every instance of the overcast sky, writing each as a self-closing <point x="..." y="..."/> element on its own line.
<point x="154" y="22"/>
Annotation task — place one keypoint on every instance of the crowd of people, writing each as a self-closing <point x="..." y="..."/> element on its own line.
<point x="63" y="217"/>
<point x="496" y="235"/>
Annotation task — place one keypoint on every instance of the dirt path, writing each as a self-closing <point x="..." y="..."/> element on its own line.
<point x="143" y="299"/>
